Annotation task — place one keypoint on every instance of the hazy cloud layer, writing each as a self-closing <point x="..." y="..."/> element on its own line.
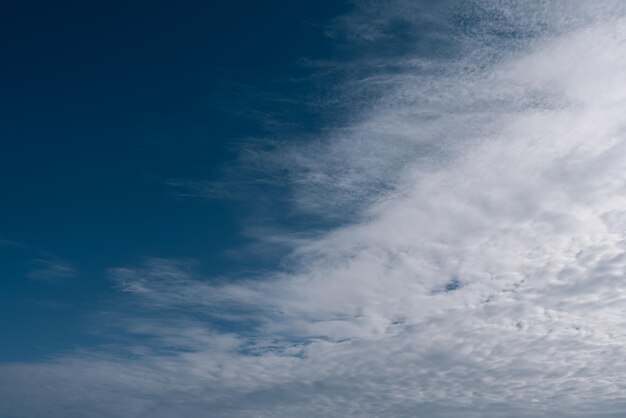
<point x="480" y="272"/>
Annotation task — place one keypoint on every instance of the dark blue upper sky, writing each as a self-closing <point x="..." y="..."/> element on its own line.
<point x="102" y="104"/>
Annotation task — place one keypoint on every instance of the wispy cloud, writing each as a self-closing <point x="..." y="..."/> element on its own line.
<point x="50" y="268"/>
<point x="11" y="243"/>
<point x="479" y="271"/>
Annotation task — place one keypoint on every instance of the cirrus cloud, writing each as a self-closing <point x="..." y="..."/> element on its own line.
<point x="479" y="271"/>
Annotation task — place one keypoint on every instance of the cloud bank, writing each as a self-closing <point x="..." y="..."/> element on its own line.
<point x="479" y="269"/>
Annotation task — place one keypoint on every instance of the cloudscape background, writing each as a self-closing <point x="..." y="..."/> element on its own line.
<point x="283" y="209"/>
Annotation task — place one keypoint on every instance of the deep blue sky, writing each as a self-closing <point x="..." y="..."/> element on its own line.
<point x="102" y="104"/>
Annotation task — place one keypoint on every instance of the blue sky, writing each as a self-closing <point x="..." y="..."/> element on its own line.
<point x="297" y="209"/>
<point x="103" y="107"/>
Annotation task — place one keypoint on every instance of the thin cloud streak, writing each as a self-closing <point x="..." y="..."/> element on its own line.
<point x="50" y="268"/>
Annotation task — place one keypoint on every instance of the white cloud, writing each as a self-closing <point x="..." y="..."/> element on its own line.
<point x="501" y="171"/>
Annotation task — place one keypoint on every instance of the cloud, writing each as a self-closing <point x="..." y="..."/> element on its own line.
<point x="478" y="272"/>
<point x="7" y="243"/>
<point x="50" y="269"/>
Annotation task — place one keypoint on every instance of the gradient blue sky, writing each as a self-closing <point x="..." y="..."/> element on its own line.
<point x="280" y="209"/>
<point x="102" y="106"/>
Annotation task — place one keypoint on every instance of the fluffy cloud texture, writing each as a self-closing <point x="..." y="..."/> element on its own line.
<point x="480" y="273"/>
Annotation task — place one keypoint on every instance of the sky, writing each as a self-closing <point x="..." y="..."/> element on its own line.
<point x="313" y="209"/>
